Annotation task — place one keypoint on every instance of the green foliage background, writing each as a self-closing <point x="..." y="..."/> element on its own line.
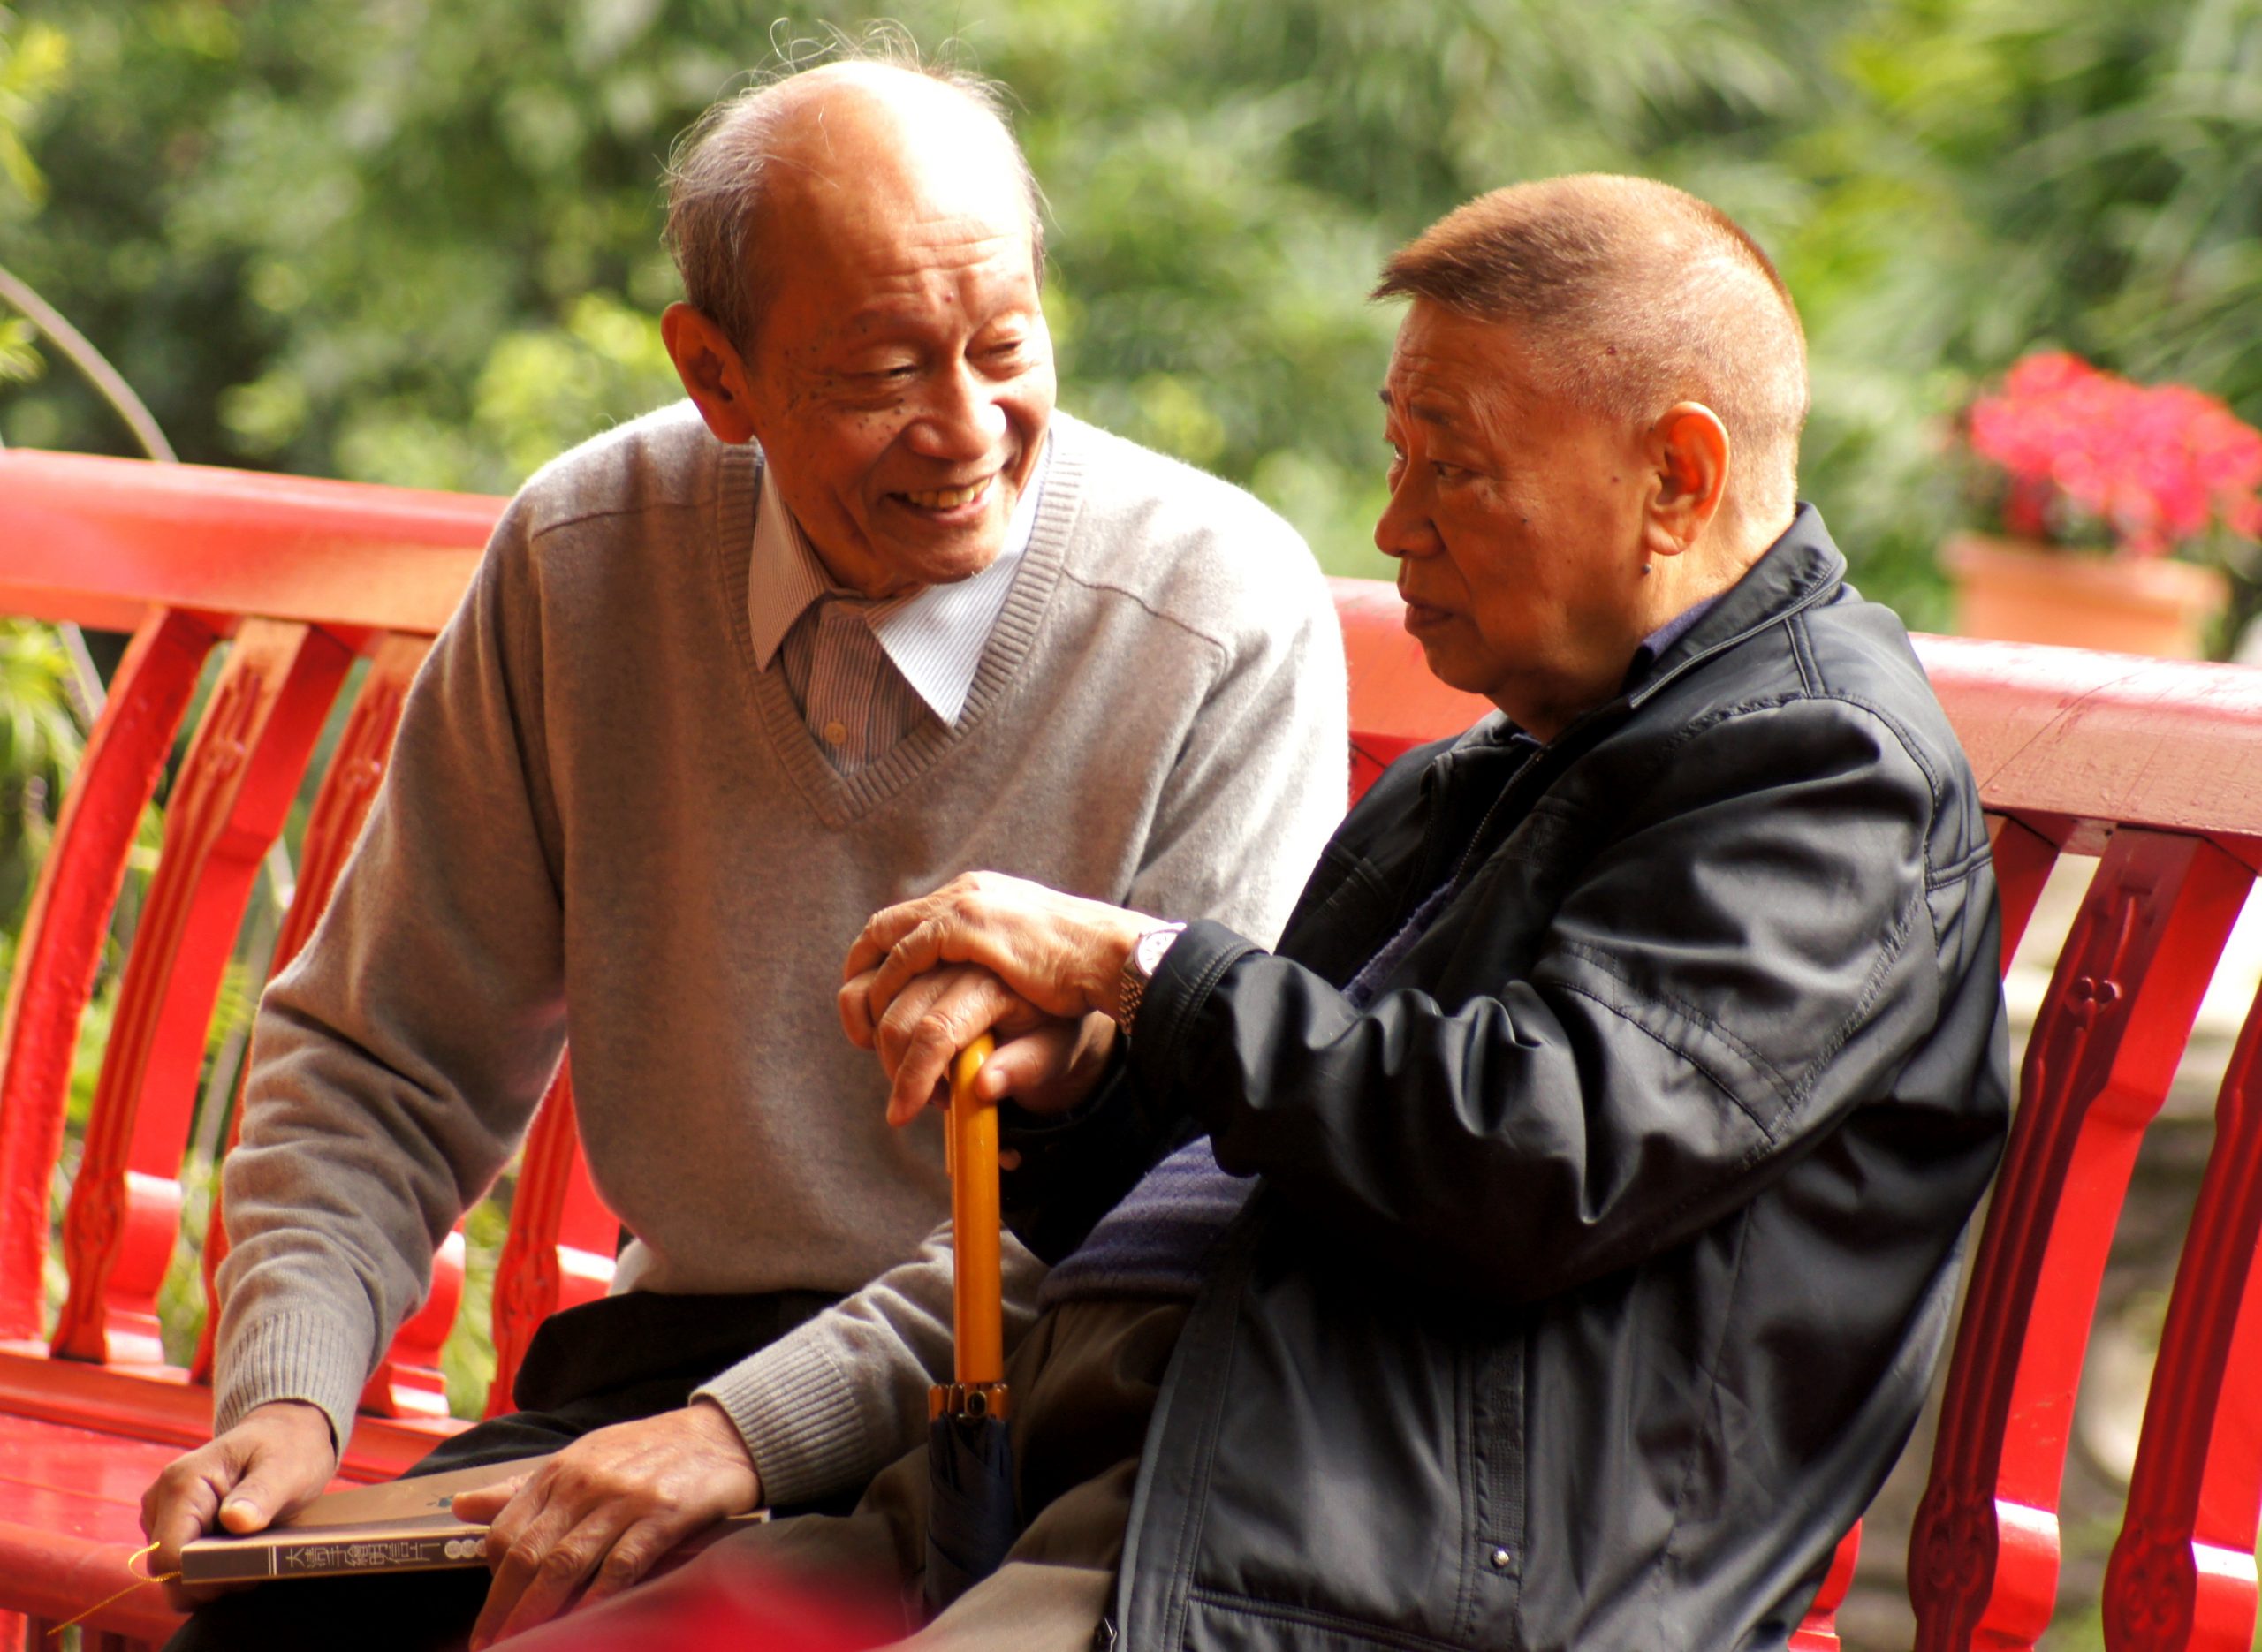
<point x="416" y="242"/>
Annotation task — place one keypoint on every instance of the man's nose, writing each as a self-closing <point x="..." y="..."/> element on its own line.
<point x="1404" y="528"/>
<point x="961" y="419"/>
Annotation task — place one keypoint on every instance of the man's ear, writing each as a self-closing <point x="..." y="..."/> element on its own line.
<point x="1688" y="451"/>
<point x="711" y="370"/>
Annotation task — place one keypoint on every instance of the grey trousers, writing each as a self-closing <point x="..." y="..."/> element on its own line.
<point x="1084" y="1384"/>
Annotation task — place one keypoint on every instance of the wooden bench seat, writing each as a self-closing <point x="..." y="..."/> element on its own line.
<point x="281" y="597"/>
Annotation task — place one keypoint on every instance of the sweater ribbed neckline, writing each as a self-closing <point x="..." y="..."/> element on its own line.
<point x="839" y="801"/>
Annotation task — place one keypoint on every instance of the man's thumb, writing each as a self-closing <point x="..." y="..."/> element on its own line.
<point x="250" y="1507"/>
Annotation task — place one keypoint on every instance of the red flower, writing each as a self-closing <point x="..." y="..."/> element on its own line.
<point x="2081" y="451"/>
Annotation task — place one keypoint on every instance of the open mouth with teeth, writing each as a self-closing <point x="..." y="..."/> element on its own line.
<point x="951" y="498"/>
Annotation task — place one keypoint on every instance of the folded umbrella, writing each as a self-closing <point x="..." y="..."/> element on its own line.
<point x="971" y="1520"/>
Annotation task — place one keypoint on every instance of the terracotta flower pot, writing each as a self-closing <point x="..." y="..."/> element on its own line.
<point x="2025" y="591"/>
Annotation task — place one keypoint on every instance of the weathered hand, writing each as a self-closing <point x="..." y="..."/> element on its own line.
<point x="1062" y="953"/>
<point x="603" y="1510"/>
<point x="1046" y="1063"/>
<point x="272" y="1463"/>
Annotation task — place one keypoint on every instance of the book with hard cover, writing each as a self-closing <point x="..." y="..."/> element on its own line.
<point x="402" y="1526"/>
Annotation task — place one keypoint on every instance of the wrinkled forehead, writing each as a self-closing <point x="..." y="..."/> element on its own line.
<point x="1455" y="370"/>
<point x="909" y="217"/>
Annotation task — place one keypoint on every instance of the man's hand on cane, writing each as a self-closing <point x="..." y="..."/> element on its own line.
<point x="1047" y="971"/>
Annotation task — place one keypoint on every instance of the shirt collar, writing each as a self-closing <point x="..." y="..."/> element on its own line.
<point x="933" y="635"/>
<point x="1647" y="652"/>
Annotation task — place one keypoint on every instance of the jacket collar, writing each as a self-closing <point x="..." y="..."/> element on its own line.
<point x="1463" y="785"/>
<point x="1800" y="569"/>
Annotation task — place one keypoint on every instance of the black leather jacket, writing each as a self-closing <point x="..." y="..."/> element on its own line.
<point x="1596" y="1269"/>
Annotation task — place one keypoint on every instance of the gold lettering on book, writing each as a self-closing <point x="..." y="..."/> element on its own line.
<point x="367" y="1556"/>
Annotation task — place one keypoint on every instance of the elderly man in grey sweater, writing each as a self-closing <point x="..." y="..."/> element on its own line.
<point x="866" y="612"/>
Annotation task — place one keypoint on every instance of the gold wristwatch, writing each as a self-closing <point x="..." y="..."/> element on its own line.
<point x="1139" y="968"/>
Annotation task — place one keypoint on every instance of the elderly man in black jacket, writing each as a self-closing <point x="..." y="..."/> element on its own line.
<point x="1548" y="1245"/>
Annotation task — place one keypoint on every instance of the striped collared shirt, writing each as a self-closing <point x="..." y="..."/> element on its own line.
<point x="864" y="671"/>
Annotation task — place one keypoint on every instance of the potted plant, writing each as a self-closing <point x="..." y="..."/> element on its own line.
<point x="2118" y="503"/>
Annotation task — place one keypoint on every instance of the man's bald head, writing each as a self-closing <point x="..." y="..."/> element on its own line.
<point x="887" y="125"/>
<point x="1635" y="296"/>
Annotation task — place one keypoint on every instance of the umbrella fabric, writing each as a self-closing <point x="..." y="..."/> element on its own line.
<point x="970" y="1519"/>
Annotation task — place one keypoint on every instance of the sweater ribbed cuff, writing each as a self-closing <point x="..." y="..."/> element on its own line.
<point x="294" y="1355"/>
<point x="800" y="1419"/>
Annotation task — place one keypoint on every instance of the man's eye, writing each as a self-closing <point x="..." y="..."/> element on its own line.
<point x="1445" y="472"/>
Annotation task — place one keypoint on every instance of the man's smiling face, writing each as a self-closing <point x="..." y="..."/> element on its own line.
<point x="901" y="376"/>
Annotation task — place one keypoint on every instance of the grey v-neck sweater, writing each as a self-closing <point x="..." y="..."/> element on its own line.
<point x="601" y="814"/>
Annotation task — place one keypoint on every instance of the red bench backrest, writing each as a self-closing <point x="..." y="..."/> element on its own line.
<point x="293" y="580"/>
<point x="2156" y="767"/>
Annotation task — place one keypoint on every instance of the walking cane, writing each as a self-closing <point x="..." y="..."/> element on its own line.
<point x="970" y="1517"/>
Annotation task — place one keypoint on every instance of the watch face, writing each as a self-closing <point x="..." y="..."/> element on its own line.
<point x="1152" y="945"/>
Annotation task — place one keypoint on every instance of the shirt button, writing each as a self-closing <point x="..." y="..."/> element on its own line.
<point x="836" y="732"/>
<point x="1500" y="1558"/>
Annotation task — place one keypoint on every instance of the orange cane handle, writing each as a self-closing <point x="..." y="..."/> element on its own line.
<point x="977" y="1315"/>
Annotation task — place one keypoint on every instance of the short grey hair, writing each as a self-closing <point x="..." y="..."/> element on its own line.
<point x="717" y="174"/>
<point x="1637" y="296"/>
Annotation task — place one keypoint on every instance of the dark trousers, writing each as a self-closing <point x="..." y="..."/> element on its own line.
<point x="1085" y="1381"/>
<point x="607" y="1362"/>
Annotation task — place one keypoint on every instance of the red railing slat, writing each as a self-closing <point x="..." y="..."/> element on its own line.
<point x="62" y="936"/>
<point x="2181" y="1578"/>
<point x="259" y="729"/>
<point x="1984" y="1554"/>
<point x="333" y="825"/>
<point x="560" y="1251"/>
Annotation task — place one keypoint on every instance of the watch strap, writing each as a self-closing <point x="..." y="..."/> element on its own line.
<point x="1139" y="968"/>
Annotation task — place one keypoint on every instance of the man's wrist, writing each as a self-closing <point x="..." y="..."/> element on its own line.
<point x="1140" y="963"/>
<point x="804" y="1423"/>
<point x="1104" y="955"/>
<point x="709" y="1416"/>
<point x="307" y="1412"/>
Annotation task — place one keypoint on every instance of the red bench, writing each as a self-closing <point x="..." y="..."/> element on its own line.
<point x="297" y="585"/>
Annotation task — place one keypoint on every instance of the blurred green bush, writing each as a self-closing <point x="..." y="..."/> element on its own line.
<point x="416" y="242"/>
<point x="419" y="243"/>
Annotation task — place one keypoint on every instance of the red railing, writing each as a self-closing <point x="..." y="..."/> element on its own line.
<point x="2154" y="768"/>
